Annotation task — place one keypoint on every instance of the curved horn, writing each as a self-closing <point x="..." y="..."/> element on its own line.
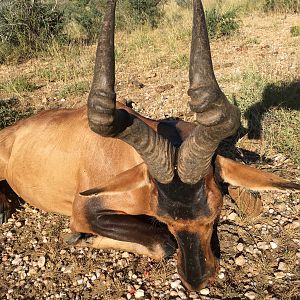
<point x="217" y="118"/>
<point x="108" y="121"/>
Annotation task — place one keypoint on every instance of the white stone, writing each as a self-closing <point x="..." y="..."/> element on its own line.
<point x="139" y="294"/>
<point x="17" y="261"/>
<point x="282" y="266"/>
<point x="240" y="247"/>
<point x="175" y="284"/>
<point x="240" y="260"/>
<point x="273" y="245"/>
<point x="41" y="262"/>
<point x="232" y="216"/>
<point x="250" y="295"/>
<point x="204" y="292"/>
<point x="221" y="275"/>
<point x="182" y="295"/>
<point x="125" y="255"/>
<point x="262" y="246"/>
<point x="279" y="275"/>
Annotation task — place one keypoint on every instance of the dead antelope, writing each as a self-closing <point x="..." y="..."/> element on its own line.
<point x="118" y="179"/>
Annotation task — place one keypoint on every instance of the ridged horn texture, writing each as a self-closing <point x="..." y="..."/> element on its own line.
<point x="108" y="121"/>
<point x="217" y="118"/>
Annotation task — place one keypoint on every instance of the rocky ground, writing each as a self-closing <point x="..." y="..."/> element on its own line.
<point x="260" y="258"/>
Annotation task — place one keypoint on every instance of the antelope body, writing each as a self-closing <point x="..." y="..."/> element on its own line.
<point x="115" y="180"/>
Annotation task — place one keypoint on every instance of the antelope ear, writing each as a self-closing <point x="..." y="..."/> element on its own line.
<point x="237" y="174"/>
<point x="131" y="179"/>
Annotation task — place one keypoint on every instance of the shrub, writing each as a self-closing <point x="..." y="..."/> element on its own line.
<point x="292" y="6"/>
<point x="87" y="14"/>
<point x="221" y="24"/>
<point x="26" y="27"/>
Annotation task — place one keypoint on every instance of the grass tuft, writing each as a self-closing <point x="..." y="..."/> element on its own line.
<point x="75" y="89"/>
<point x="18" y="85"/>
<point x="295" y="30"/>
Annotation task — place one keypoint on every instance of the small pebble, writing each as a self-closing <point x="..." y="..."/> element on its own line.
<point x="175" y="284"/>
<point x="273" y="245"/>
<point x="282" y="266"/>
<point x="279" y="275"/>
<point x="262" y="246"/>
<point x="250" y="295"/>
<point x="182" y="295"/>
<point x="232" y="216"/>
<point x="240" y="260"/>
<point x="139" y="294"/>
<point x="204" y="292"/>
<point x="221" y="275"/>
<point x="41" y="262"/>
<point x="240" y="247"/>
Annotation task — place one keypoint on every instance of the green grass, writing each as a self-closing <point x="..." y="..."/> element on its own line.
<point x="18" y="85"/>
<point x="295" y="30"/>
<point x="75" y="89"/>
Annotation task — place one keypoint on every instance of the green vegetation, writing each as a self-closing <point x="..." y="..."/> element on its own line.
<point x="18" y="85"/>
<point x="11" y="111"/>
<point x="221" y="24"/>
<point x="30" y="27"/>
<point x="292" y="6"/>
<point x="295" y="30"/>
<point x="26" y="27"/>
<point x="77" y="88"/>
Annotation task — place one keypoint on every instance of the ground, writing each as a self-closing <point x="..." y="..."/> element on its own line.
<point x="259" y="69"/>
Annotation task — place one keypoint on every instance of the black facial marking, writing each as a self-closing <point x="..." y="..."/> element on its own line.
<point x="168" y="130"/>
<point x="223" y="186"/>
<point x="180" y="200"/>
<point x="193" y="260"/>
<point x="140" y="229"/>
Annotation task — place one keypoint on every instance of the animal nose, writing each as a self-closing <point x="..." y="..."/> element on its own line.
<point x="196" y="280"/>
<point x="196" y="262"/>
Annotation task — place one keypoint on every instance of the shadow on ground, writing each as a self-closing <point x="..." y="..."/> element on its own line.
<point x="284" y="94"/>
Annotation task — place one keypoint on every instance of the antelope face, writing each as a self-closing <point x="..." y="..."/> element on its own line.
<point x="187" y="197"/>
<point x="190" y="211"/>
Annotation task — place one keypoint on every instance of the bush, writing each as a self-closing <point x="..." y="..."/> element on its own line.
<point x="82" y="19"/>
<point x="292" y="6"/>
<point x="86" y="15"/>
<point x="221" y="24"/>
<point x="26" y="27"/>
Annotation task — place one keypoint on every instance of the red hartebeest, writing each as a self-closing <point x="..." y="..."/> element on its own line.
<point x="115" y="179"/>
